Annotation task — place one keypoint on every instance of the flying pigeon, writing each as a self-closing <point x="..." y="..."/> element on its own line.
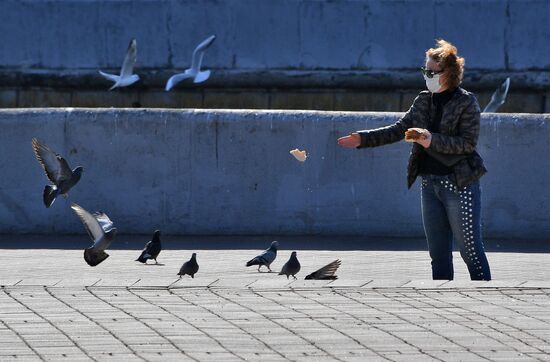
<point x="195" y="70"/>
<point x="57" y="170"/>
<point x="190" y="267"/>
<point x="265" y="258"/>
<point x="126" y="77"/>
<point x="291" y="267"/>
<point x="152" y="249"/>
<point x="101" y="230"/>
<point x="499" y="97"/>
<point x="326" y="272"/>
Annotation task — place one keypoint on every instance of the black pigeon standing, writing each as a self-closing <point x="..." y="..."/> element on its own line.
<point x="58" y="171"/>
<point x="190" y="267"/>
<point x="326" y="272"/>
<point x="101" y="231"/>
<point x="152" y="249"/>
<point x="291" y="267"/>
<point x="265" y="258"/>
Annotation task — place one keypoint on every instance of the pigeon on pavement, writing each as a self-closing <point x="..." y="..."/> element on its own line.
<point x="291" y="267"/>
<point x="195" y="70"/>
<point x="326" y="272"/>
<point x="152" y="249"/>
<point x="101" y="231"/>
<point x="190" y="267"/>
<point x="57" y="170"/>
<point x="499" y="97"/>
<point x="126" y="77"/>
<point x="265" y="258"/>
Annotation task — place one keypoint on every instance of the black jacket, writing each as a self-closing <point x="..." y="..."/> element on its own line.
<point x="459" y="132"/>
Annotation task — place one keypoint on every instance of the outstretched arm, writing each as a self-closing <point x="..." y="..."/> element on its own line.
<point x="351" y="141"/>
<point x="395" y="132"/>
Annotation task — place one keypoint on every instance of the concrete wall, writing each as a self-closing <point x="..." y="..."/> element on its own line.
<point x="352" y="55"/>
<point x="378" y="100"/>
<point x="259" y="40"/>
<point x="284" y="34"/>
<point x="229" y="172"/>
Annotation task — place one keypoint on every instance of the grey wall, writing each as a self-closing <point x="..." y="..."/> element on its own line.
<point x="228" y="172"/>
<point x="68" y="36"/>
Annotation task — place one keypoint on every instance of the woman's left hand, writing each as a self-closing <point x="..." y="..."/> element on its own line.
<point x="426" y="139"/>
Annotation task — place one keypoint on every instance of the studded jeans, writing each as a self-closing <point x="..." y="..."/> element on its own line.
<point x="447" y="213"/>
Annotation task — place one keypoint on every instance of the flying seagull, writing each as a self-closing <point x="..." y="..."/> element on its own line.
<point x="190" y="267"/>
<point x="326" y="272"/>
<point x="291" y="267"/>
<point x="265" y="258"/>
<point x="126" y="77"/>
<point x="57" y="170"/>
<point x="101" y="231"/>
<point x="195" y="70"/>
<point x="152" y="249"/>
<point x="499" y="97"/>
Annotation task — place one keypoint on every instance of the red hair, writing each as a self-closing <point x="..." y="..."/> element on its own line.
<point x="446" y="55"/>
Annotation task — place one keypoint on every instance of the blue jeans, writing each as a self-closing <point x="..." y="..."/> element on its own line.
<point x="447" y="213"/>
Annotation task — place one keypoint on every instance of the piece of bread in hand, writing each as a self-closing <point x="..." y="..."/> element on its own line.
<point x="414" y="134"/>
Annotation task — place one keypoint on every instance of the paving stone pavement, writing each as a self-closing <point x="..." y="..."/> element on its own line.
<point x="226" y="324"/>
<point x="383" y="307"/>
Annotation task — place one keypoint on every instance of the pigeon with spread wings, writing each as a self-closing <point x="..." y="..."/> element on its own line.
<point x="57" y="170"/>
<point x="195" y="70"/>
<point x="326" y="272"/>
<point x="126" y="76"/>
<point x="101" y="231"/>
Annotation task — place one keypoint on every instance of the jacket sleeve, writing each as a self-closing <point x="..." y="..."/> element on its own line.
<point x="465" y="141"/>
<point x="395" y="132"/>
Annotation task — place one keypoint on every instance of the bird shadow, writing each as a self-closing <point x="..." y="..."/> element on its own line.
<point x="263" y="272"/>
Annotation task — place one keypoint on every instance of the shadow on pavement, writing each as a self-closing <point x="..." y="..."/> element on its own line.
<point x="236" y="242"/>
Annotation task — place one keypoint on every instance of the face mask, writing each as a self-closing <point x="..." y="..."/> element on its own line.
<point x="433" y="83"/>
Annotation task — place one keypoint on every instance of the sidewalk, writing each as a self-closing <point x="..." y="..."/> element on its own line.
<point x="382" y="307"/>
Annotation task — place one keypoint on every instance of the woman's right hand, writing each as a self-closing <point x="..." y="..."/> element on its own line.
<point x="351" y="141"/>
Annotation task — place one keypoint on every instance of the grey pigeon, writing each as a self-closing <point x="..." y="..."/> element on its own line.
<point x="499" y="97"/>
<point x="101" y="231"/>
<point x="126" y="77"/>
<point x="57" y="170"/>
<point x="291" y="267"/>
<point x="326" y="272"/>
<point x="152" y="249"/>
<point x="190" y="267"/>
<point x="195" y="70"/>
<point x="265" y="258"/>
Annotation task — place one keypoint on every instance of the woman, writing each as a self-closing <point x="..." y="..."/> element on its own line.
<point x="446" y="121"/>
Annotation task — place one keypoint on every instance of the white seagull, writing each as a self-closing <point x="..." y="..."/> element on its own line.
<point x="499" y="97"/>
<point x="195" y="70"/>
<point x="126" y="77"/>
